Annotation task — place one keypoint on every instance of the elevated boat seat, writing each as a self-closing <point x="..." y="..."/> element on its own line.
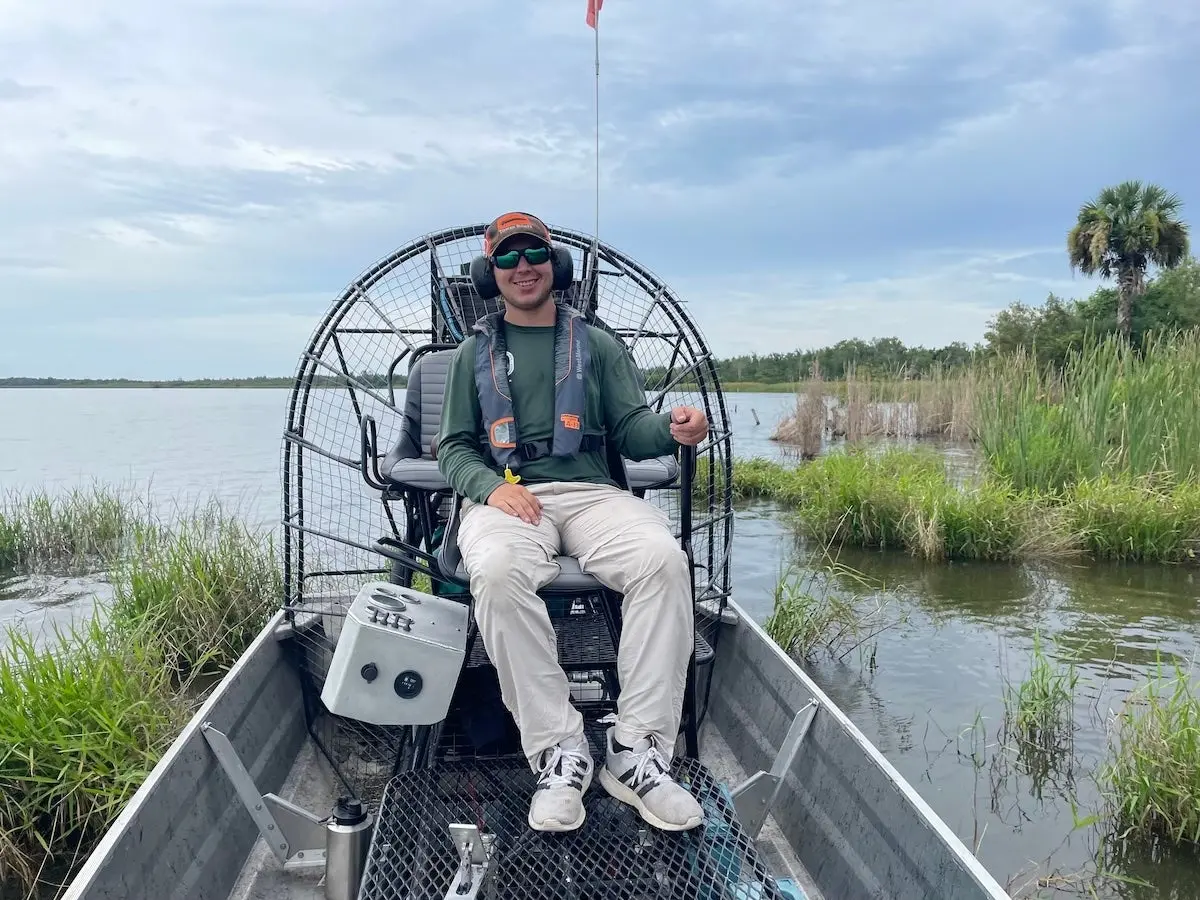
<point x="411" y="464"/>
<point x="586" y="614"/>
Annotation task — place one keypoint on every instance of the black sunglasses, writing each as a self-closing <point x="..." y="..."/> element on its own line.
<point x="535" y="256"/>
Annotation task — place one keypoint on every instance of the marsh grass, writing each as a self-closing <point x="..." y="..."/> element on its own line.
<point x="1144" y="519"/>
<point x="808" y="615"/>
<point x="85" y="719"/>
<point x="80" y="529"/>
<point x="1152" y="778"/>
<point x="898" y="499"/>
<point x="81" y="725"/>
<point x="862" y="407"/>
<point x="903" y="499"/>
<point x="1112" y="410"/>
<point x="203" y="590"/>
<point x="1039" y="717"/>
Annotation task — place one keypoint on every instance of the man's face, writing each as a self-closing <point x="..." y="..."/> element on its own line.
<point x="526" y="287"/>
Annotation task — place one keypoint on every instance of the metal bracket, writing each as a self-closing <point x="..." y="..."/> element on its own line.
<point x="473" y="851"/>
<point x="754" y="798"/>
<point x="295" y="836"/>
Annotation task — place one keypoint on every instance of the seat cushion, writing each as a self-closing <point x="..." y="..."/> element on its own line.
<point x="651" y="473"/>
<point x="571" y="579"/>
<point x="422" y="474"/>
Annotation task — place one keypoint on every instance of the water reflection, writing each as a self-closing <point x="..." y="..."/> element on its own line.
<point x="933" y="701"/>
<point x="47" y="606"/>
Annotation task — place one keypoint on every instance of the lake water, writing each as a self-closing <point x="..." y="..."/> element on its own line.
<point x="961" y="629"/>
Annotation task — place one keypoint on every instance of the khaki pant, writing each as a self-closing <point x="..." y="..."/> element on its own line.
<point x="624" y="542"/>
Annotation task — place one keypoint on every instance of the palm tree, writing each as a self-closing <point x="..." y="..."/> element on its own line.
<point x="1121" y="232"/>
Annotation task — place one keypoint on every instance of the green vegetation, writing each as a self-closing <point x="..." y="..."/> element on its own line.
<point x="200" y="590"/>
<point x="1170" y="303"/>
<point x="1152" y="779"/>
<point x="902" y="499"/>
<point x="1039" y="711"/>
<point x="1100" y="457"/>
<point x="85" y="719"/>
<point x="1127" y="228"/>
<point x="882" y="358"/>
<point x="80" y="729"/>
<point x="1111" y="410"/>
<point x="808" y="616"/>
<point x="82" y="528"/>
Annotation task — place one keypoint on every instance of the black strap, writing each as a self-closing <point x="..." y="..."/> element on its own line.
<point x="531" y="450"/>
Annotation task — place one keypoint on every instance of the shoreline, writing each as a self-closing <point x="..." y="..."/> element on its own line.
<point x="266" y="383"/>
<point x="903" y="500"/>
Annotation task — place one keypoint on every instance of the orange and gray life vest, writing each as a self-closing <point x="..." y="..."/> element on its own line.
<point x="571" y="355"/>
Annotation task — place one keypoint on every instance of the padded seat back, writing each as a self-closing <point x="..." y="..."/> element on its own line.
<point x="465" y="306"/>
<point x="422" y="408"/>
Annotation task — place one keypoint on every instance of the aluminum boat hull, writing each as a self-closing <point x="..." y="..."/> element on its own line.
<point x="845" y="824"/>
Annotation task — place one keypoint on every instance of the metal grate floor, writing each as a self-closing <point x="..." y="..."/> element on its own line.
<point x="614" y="856"/>
<point x="584" y="642"/>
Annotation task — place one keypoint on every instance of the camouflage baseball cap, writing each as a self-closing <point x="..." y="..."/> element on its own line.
<point x="513" y="223"/>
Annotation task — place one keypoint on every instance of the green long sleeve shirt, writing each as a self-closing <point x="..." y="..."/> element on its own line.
<point x="616" y="406"/>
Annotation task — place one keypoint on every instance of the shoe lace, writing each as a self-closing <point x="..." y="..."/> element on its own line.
<point x="561" y="766"/>
<point x="651" y="766"/>
<point x="652" y="756"/>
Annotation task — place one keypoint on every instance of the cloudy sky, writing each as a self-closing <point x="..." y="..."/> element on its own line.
<point x="186" y="186"/>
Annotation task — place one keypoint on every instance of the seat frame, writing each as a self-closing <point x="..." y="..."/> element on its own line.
<point x="418" y="548"/>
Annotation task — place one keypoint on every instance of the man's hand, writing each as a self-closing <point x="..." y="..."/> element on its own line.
<point x="516" y="501"/>
<point x="688" y="425"/>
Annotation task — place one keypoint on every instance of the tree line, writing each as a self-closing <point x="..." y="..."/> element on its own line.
<point x="1121" y="235"/>
<point x="1170" y="302"/>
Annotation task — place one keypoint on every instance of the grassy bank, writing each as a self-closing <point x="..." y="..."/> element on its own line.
<point x="902" y="499"/>
<point x="1100" y="459"/>
<point x="84" y="719"/>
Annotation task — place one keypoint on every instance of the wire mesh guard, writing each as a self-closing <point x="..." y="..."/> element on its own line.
<point x="350" y="375"/>
<point x="614" y="855"/>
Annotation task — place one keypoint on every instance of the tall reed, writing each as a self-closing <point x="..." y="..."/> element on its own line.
<point x="75" y="529"/>
<point x="84" y="719"/>
<point x="1112" y="410"/>
<point x="204" y="590"/>
<point x="940" y="404"/>
<point x="1152" y="777"/>
<point x="81" y="726"/>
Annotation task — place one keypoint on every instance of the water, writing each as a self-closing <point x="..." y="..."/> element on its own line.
<point x="959" y="629"/>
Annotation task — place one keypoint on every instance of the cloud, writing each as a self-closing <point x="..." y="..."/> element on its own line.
<point x="222" y="170"/>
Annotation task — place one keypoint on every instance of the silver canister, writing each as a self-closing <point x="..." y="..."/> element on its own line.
<point x="347" y="837"/>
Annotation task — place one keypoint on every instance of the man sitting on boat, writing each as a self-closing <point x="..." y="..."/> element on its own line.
<point x="539" y="376"/>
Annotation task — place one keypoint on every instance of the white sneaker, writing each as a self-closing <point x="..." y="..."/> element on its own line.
<point x="640" y="777"/>
<point x="566" y="773"/>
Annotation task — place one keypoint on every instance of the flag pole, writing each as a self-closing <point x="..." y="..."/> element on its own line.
<point x="596" y="235"/>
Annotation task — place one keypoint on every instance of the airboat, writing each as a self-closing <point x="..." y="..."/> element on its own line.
<point x="360" y="748"/>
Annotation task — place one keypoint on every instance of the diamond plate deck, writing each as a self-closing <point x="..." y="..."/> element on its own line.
<point x="614" y="856"/>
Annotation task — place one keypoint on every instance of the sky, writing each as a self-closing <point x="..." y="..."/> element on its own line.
<point x="186" y="187"/>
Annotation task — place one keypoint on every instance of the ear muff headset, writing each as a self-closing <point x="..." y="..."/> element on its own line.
<point x="484" y="279"/>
